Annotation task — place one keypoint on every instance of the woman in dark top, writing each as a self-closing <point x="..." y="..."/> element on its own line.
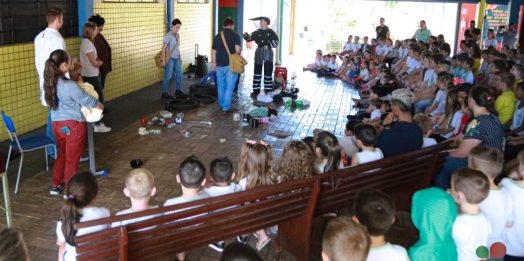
<point x="382" y="30"/>
<point x="102" y="48"/>
<point x="484" y="130"/>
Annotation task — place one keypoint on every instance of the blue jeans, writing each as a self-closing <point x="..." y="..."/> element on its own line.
<point x="443" y="179"/>
<point x="422" y="105"/>
<point x="172" y="66"/>
<point x="51" y="135"/>
<point x="226" y="81"/>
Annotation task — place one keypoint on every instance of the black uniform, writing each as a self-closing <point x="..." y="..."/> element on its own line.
<point x="263" y="58"/>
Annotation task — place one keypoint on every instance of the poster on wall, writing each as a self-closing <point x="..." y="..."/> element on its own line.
<point x="496" y="15"/>
<point x="468" y="12"/>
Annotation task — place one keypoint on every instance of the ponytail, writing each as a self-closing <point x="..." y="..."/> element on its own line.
<point x="70" y="217"/>
<point x="483" y="98"/>
<point x="329" y="148"/>
<point x="51" y="75"/>
<point x="82" y="190"/>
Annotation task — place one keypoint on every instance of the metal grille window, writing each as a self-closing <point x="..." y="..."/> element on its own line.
<point x="22" y="20"/>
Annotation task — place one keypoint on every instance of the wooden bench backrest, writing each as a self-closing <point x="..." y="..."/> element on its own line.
<point x="212" y="220"/>
<point x="391" y="175"/>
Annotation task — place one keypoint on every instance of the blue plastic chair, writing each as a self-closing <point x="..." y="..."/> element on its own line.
<point x="23" y="145"/>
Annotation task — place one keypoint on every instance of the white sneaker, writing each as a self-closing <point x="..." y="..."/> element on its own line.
<point x="102" y="128"/>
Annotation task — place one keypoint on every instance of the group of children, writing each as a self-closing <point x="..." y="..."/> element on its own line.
<point x="475" y="212"/>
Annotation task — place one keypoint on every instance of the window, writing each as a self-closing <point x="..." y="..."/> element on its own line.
<point x="192" y="1"/>
<point x="22" y="20"/>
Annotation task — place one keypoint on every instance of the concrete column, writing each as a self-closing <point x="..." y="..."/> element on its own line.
<point x="85" y="10"/>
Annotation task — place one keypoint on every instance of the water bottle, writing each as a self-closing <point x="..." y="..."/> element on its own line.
<point x="179" y="118"/>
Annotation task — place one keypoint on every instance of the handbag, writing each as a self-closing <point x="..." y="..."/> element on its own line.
<point x="237" y="63"/>
<point x="158" y="56"/>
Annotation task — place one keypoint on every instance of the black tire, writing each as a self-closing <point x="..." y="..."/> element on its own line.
<point x="183" y="104"/>
<point x="205" y="99"/>
<point x="207" y="88"/>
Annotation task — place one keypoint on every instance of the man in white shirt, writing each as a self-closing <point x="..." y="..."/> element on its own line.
<point x="46" y="42"/>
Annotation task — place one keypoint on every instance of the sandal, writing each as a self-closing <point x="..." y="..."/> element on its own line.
<point x="256" y="235"/>
<point x="263" y="244"/>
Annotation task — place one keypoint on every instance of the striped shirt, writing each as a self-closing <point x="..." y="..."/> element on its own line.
<point x="487" y="129"/>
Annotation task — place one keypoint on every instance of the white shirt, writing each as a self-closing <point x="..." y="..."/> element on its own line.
<point x="369" y="156"/>
<point x="354" y="46"/>
<point x="513" y="237"/>
<point x="470" y="232"/>
<point x="441" y="99"/>
<point x="87" y="215"/>
<point x="490" y="42"/>
<point x="348" y="145"/>
<point x="381" y="50"/>
<point x="332" y="65"/>
<point x="388" y="252"/>
<point x="215" y="191"/>
<point x="364" y="74"/>
<point x="389" y="49"/>
<point x="134" y="220"/>
<point x="88" y="70"/>
<point x="498" y="208"/>
<point x="375" y="114"/>
<point x="484" y="67"/>
<point x="347" y="46"/>
<point x="46" y="42"/>
<point x="413" y="64"/>
<point x="518" y="117"/>
<point x="180" y="200"/>
<point x="455" y="122"/>
<point x="428" y="76"/>
<point x="428" y="142"/>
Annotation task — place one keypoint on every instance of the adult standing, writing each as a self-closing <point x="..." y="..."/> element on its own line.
<point x="102" y="48"/>
<point x="226" y="80"/>
<point x="64" y="97"/>
<point x="509" y="36"/>
<point x="469" y="34"/>
<point x="423" y="33"/>
<point x="382" y="30"/>
<point x="45" y="43"/>
<point x="173" y="65"/>
<point x="266" y="39"/>
<point x="403" y="136"/>
<point x="484" y="130"/>
<point x="90" y="64"/>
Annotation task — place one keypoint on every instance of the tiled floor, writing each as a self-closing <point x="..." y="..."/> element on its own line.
<point x="35" y="211"/>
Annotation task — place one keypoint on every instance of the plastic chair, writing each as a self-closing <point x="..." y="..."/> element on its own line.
<point x="24" y="145"/>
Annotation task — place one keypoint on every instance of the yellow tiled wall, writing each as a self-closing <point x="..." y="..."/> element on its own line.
<point x="134" y="42"/>
<point x="135" y="32"/>
<point x="197" y="28"/>
<point x="19" y="90"/>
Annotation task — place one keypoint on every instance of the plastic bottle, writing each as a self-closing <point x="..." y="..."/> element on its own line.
<point x="185" y="133"/>
<point x="179" y="118"/>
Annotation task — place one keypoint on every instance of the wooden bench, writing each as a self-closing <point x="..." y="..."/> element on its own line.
<point x="399" y="176"/>
<point x="290" y="205"/>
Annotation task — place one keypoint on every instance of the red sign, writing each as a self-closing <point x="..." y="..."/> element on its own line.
<point x="468" y="13"/>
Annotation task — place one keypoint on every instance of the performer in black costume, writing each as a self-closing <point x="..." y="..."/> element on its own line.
<point x="266" y="39"/>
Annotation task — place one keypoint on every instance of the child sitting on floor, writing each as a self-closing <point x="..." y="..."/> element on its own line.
<point x="433" y="212"/>
<point x="343" y="68"/>
<point x="363" y="77"/>
<point x="451" y="120"/>
<point x="376" y="211"/>
<point x="471" y="229"/>
<point x="513" y="236"/>
<point x="345" y="240"/>
<point x="366" y="136"/>
<point x="140" y="187"/>
<point x="375" y="110"/>
<point x="424" y="122"/>
<point x="348" y="142"/>
<point x="317" y="63"/>
<point x="365" y="46"/>
<point x="346" y="49"/>
<point x="354" y="69"/>
<point x="222" y="174"/>
<point x="191" y="177"/>
<point x="498" y="206"/>
<point x="255" y="170"/>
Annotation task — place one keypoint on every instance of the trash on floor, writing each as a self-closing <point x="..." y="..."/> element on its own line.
<point x="166" y="114"/>
<point x="222" y="140"/>
<point x="185" y="133"/>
